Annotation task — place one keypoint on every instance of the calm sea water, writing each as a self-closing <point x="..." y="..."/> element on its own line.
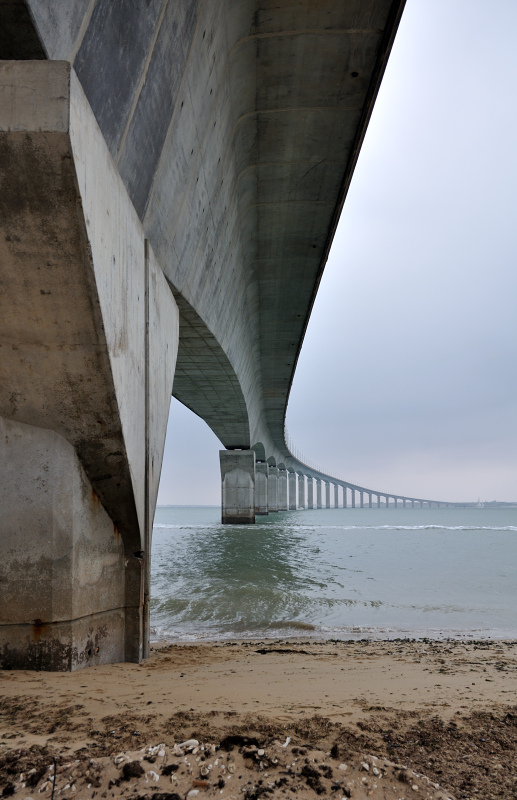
<point x="335" y="573"/>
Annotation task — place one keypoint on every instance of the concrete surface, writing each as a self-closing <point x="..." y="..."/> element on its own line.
<point x="272" y="489"/>
<point x="282" y="490"/>
<point x="261" y="487"/>
<point x="237" y="486"/>
<point x="62" y="572"/>
<point x="88" y="324"/>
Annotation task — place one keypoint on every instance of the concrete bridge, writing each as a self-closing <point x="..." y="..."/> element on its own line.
<point x="172" y="174"/>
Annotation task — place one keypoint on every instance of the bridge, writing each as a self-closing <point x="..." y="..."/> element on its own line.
<point x="172" y="177"/>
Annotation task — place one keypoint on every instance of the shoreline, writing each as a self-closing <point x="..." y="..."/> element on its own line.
<point x="316" y="636"/>
<point x="444" y="711"/>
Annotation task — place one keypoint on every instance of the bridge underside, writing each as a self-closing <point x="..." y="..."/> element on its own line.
<point x="172" y="176"/>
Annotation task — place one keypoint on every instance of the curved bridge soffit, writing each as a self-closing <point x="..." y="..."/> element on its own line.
<point x="205" y="381"/>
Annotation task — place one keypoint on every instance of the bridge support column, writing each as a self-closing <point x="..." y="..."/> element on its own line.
<point x="318" y="493"/>
<point x="370" y="500"/>
<point x="238" y="486"/>
<point x="327" y="495"/>
<point x="90" y="333"/>
<point x="301" y="491"/>
<point x="353" y="497"/>
<point x="272" y="489"/>
<point x="310" y="492"/>
<point x="261" y="487"/>
<point x="336" y="498"/>
<point x="293" y="479"/>
<point x="361" y="499"/>
<point x="282" y="490"/>
<point x="344" y="497"/>
<point x="378" y="501"/>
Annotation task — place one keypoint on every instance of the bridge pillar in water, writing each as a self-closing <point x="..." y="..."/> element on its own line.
<point x="272" y="489"/>
<point x="318" y="493"/>
<point x="327" y="495"/>
<point x="293" y="479"/>
<point x="344" y="497"/>
<point x="301" y="490"/>
<point x="336" y="496"/>
<point x="361" y="499"/>
<point x="378" y="501"/>
<point x="282" y="490"/>
<point x="310" y="492"/>
<point x="237" y="486"/>
<point x="261" y="487"/>
<point x="370" y="500"/>
<point x="90" y="329"/>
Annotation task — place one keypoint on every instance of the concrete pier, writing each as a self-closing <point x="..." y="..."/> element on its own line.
<point x="318" y="493"/>
<point x="261" y="487"/>
<point x="336" y="498"/>
<point x="344" y="497"/>
<point x="361" y="499"/>
<point x="293" y="498"/>
<point x="310" y="492"/>
<point x="282" y="490"/>
<point x="237" y="486"/>
<point x="272" y="489"/>
<point x="353" y="497"/>
<point x="301" y="491"/>
<point x="89" y="332"/>
<point x="327" y="495"/>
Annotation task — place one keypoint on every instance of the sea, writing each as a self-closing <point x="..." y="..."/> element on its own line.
<point x="342" y="574"/>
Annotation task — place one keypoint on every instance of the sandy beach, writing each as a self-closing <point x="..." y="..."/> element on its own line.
<point x="280" y="718"/>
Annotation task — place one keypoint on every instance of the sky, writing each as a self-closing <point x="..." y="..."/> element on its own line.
<point x="407" y="379"/>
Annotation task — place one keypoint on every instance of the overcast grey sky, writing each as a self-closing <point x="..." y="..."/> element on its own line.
<point x="407" y="380"/>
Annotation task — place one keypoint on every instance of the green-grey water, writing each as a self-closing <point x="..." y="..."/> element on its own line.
<point x="337" y="573"/>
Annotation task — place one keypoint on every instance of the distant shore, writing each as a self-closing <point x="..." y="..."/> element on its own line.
<point x="360" y="717"/>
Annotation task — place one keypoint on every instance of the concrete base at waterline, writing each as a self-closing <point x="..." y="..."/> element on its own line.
<point x="237" y="486"/>
<point x="64" y="578"/>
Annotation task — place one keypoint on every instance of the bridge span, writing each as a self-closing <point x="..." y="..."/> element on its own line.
<point x="172" y="174"/>
<point x="295" y="485"/>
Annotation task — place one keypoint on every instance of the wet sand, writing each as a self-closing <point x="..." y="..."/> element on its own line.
<point x="393" y="719"/>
